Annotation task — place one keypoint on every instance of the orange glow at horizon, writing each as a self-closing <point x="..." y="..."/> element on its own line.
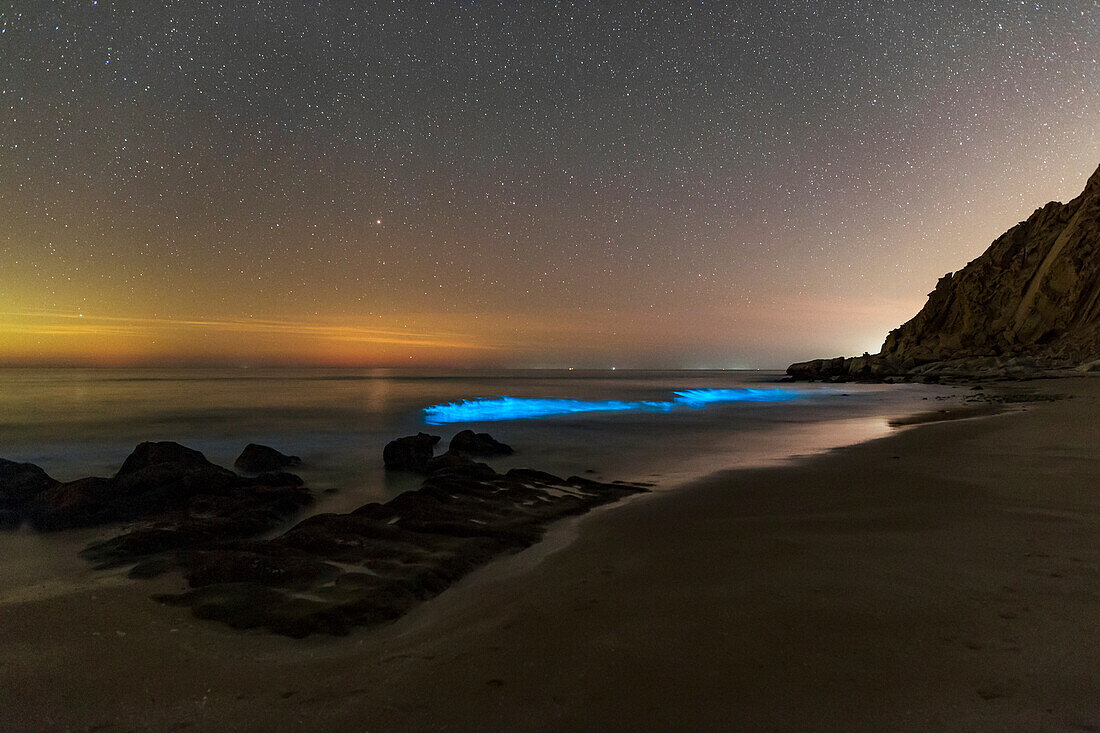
<point x="553" y="340"/>
<point x="45" y="338"/>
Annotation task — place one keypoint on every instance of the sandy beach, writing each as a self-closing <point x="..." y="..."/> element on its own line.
<point x="945" y="577"/>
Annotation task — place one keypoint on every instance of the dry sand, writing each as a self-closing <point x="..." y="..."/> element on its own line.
<point x="946" y="577"/>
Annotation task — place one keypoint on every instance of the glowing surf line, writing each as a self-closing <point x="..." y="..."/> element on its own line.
<point x="519" y="408"/>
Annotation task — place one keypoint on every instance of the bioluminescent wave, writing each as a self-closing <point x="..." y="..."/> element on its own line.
<point x="744" y="394"/>
<point x="520" y="408"/>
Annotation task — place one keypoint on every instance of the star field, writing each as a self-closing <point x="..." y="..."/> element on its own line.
<point x="517" y="184"/>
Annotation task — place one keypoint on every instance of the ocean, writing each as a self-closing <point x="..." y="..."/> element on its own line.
<point x="80" y="422"/>
<point x="629" y="425"/>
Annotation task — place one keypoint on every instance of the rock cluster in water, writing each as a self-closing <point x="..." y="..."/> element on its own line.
<point x="329" y="572"/>
<point x="334" y="571"/>
<point x="20" y="484"/>
<point x="261" y="459"/>
<point x="411" y="453"/>
<point x="1028" y="306"/>
<point x="161" y="481"/>
<point x="478" y="444"/>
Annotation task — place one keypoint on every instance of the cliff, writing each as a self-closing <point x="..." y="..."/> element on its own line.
<point x="1030" y="303"/>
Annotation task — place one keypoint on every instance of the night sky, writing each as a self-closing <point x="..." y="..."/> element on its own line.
<point x="517" y="184"/>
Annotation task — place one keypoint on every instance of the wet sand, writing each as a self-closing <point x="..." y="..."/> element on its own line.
<point x="946" y="577"/>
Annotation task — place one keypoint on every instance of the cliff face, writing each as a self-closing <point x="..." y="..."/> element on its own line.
<point x="1032" y="297"/>
<point x="1035" y="291"/>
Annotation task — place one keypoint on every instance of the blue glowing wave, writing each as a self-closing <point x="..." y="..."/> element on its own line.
<point x="519" y="408"/>
<point x="744" y="394"/>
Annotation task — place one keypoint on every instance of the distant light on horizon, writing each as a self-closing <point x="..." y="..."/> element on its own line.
<point x="519" y="408"/>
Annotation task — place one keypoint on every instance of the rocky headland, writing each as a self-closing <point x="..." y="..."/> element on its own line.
<point x="1028" y="307"/>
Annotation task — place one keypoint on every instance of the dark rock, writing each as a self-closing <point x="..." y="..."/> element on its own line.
<point x="411" y="453"/>
<point x="177" y="485"/>
<point x="530" y="474"/>
<point x="260" y="458"/>
<point x="358" y="537"/>
<point x="265" y="563"/>
<point x="147" y="455"/>
<point x="333" y="571"/>
<point x="164" y="474"/>
<point x="457" y="463"/>
<point x="330" y="571"/>
<point x="479" y="444"/>
<point x="19" y="484"/>
<point x="144" y="541"/>
<point x="249" y="509"/>
<point x="81" y="503"/>
<point x="448" y="461"/>
<point x="21" y="481"/>
<point x="817" y="368"/>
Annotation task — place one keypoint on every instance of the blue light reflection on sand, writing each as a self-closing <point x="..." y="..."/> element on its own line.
<point x="519" y="408"/>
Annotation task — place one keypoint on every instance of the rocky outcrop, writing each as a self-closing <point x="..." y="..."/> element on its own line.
<point x="375" y="563"/>
<point x="1029" y="305"/>
<point x="450" y="459"/>
<point x="261" y="458"/>
<point x="334" y="571"/>
<point x="415" y="452"/>
<point x="174" y="485"/>
<point x="479" y="444"/>
<point x="411" y="453"/>
<point x="20" y="483"/>
<point x="249" y="508"/>
<point x="860" y="367"/>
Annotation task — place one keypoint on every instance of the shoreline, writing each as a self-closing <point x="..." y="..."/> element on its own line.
<point x="562" y="533"/>
<point x="700" y="607"/>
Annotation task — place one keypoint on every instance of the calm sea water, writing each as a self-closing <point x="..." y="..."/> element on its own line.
<point x="84" y="422"/>
<point x="76" y="423"/>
